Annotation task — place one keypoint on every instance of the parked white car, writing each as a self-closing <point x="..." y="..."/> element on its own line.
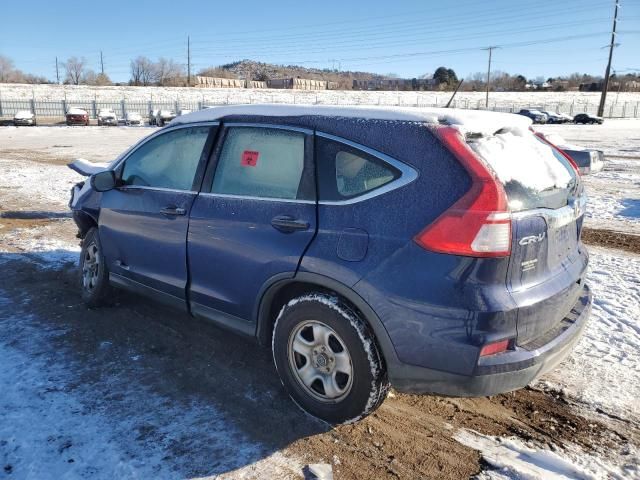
<point x="184" y="111"/>
<point x="106" y="116"/>
<point x="24" y="117"/>
<point x="133" y="118"/>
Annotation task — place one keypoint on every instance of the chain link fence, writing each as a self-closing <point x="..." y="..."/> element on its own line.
<point x="56" y="109"/>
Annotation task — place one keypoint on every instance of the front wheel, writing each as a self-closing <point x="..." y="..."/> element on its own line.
<point x="328" y="360"/>
<point x="94" y="279"/>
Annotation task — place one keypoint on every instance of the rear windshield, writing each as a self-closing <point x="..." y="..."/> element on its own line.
<point x="534" y="174"/>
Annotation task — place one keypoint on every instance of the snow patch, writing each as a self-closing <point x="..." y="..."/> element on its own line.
<point x="522" y="158"/>
<point x="57" y="426"/>
<point x="604" y="368"/>
<point x="472" y="120"/>
<point x="37" y="246"/>
<point x="76" y="111"/>
<point x="513" y="459"/>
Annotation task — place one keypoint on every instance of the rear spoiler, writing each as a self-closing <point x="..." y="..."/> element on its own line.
<point x="87" y="168"/>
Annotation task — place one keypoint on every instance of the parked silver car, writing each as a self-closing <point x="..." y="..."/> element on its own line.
<point x="107" y="117"/>
<point x="25" y="118"/>
<point x="133" y="118"/>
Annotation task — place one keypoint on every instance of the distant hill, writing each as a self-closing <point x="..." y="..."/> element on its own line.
<point x="244" y="69"/>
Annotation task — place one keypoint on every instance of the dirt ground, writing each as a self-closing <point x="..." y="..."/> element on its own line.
<point x="181" y="359"/>
<point x="408" y="437"/>
<point x="611" y="239"/>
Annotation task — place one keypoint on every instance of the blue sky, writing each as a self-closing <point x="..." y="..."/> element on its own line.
<point x="408" y="38"/>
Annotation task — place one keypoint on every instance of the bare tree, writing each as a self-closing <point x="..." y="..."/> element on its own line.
<point x="142" y="71"/>
<point x="6" y="69"/>
<point x="75" y="68"/>
<point x="167" y="71"/>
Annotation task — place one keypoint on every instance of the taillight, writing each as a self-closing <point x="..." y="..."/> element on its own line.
<point x="562" y="152"/>
<point x="479" y="224"/>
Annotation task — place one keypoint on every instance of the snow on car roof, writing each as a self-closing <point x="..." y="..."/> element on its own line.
<point x="470" y="120"/>
<point x="23" y="114"/>
<point x="76" y="111"/>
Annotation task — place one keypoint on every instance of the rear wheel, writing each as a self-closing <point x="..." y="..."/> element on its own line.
<point x="94" y="278"/>
<point x="328" y="359"/>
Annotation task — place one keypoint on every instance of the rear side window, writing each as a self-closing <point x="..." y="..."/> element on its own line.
<point x="346" y="172"/>
<point x="534" y="174"/>
<point x="169" y="160"/>
<point x="260" y="162"/>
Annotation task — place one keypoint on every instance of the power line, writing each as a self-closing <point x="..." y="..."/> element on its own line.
<point x="352" y="46"/>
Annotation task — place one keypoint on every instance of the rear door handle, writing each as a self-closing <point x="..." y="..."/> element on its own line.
<point x="288" y="224"/>
<point x="173" y="210"/>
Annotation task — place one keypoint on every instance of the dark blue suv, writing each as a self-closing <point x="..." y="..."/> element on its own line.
<point x="436" y="251"/>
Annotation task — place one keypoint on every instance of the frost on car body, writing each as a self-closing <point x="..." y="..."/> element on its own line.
<point x="444" y="242"/>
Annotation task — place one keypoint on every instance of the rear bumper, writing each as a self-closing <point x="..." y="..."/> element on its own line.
<point x="504" y="372"/>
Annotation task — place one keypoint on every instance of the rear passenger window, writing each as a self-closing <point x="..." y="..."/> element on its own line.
<point x="260" y="162"/>
<point x="345" y="172"/>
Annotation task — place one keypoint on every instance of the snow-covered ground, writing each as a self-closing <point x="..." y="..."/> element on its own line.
<point x="511" y="458"/>
<point x="54" y="427"/>
<point x="581" y="101"/>
<point x="604" y="369"/>
<point x="614" y="192"/>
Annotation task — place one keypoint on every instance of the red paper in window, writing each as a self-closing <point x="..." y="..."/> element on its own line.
<point x="249" y="158"/>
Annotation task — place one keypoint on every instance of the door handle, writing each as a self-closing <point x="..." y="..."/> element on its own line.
<point x="288" y="224"/>
<point x="171" y="210"/>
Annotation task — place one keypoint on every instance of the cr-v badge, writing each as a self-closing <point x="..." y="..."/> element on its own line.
<point x="532" y="239"/>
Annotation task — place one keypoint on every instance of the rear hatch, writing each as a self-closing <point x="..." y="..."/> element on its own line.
<point x="545" y="197"/>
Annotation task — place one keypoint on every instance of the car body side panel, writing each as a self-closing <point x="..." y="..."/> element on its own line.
<point x="143" y="244"/>
<point x="233" y="249"/>
<point x="439" y="308"/>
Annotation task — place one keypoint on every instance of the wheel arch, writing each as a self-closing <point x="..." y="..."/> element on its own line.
<point x="281" y="289"/>
<point x="84" y="221"/>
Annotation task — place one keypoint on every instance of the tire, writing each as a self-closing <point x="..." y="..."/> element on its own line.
<point x="328" y="360"/>
<point x="94" y="276"/>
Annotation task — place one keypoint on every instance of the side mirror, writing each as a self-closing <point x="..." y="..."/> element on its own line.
<point x="103" y="181"/>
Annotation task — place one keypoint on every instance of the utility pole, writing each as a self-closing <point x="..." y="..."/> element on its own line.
<point x="101" y="64"/>
<point x="57" y="72"/>
<point x="605" y="85"/>
<point x="188" y="61"/>
<point x="488" y="75"/>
